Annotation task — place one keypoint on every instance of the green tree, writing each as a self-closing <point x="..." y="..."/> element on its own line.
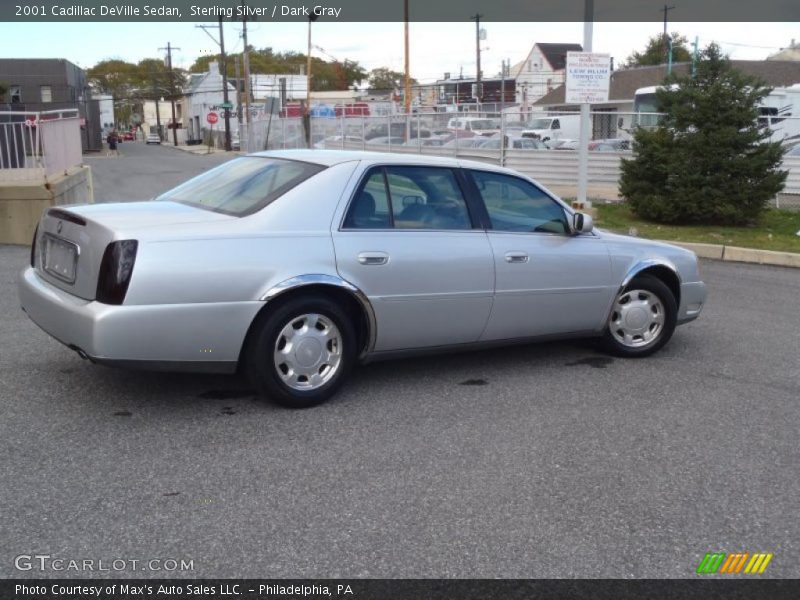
<point x="386" y="80"/>
<point x="326" y="75"/>
<point x="3" y="90"/>
<point x="656" y="51"/>
<point x="709" y="161"/>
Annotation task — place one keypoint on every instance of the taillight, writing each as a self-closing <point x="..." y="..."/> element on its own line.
<point x="115" y="271"/>
<point x="33" y="247"/>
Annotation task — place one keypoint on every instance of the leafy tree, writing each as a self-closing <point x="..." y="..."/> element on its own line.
<point x="326" y="76"/>
<point x="656" y="51"/>
<point x="3" y="90"/>
<point x="708" y="161"/>
<point x="383" y="80"/>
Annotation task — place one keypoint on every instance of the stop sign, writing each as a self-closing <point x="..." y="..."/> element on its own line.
<point x="212" y="117"/>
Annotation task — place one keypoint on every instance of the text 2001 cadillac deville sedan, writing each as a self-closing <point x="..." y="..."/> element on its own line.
<point x="295" y="265"/>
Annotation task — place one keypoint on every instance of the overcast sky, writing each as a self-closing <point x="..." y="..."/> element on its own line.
<point x="436" y="48"/>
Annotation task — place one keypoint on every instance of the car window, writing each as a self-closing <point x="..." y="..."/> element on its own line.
<point x="370" y="207"/>
<point x="514" y="204"/>
<point x="242" y="186"/>
<point x="418" y="198"/>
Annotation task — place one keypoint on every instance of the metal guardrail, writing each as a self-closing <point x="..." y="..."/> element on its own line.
<point x="37" y="145"/>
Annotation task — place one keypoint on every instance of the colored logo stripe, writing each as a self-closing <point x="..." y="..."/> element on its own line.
<point x="714" y="562"/>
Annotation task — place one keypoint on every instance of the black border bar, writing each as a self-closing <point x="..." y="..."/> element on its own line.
<point x="399" y="589"/>
<point x="385" y="10"/>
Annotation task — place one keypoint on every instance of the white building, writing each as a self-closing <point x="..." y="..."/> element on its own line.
<point x="205" y="96"/>
<point x="542" y="71"/>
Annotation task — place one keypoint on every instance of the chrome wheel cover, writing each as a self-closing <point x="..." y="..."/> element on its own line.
<point x="637" y="318"/>
<point x="308" y="352"/>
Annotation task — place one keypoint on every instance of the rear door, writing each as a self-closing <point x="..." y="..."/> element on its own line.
<point x="409" y="241"/>
<point x="548" y="280"/>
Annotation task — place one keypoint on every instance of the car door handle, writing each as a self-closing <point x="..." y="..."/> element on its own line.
<point x="516" y="257"/>
<point x="373" y="258"/>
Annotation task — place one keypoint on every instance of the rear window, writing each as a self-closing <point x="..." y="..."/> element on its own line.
<point x="242" y="186"/>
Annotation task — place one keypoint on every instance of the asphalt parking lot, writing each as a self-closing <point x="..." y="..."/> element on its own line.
<point x="538" y="461"/>
<point x="549" y="460"/>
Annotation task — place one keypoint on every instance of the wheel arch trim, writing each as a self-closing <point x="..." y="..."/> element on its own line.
<point x="646" y="264"/>
<point x="301" y="281"/>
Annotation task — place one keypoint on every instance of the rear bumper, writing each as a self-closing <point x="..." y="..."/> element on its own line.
<point x="693" y="298"/>
<point x="197" y="337"/>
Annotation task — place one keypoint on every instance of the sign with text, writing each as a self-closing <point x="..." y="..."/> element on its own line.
<point x="212" y="117"/>
<point x="588" y="77"/>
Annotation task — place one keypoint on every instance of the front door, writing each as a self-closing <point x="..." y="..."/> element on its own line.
<point x="548" y="281"/>
<point x="409" y="242"/>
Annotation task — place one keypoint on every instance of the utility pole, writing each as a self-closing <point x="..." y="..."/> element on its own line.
<point x="169" y="50"/>
<point x="224" y="66"/>
<point x="307" y="116"/>
<point x="246" y="60"/>
<point x="665" y="10"/>
<point x="157" y="97"/>
<point x="238" y="90"/>
<point x="408" y="67"/>
<point x="694" y="53"/>
<point x="478" y="90"/>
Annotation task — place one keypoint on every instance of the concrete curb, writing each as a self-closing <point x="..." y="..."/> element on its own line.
<point x="199" y="149"/>
<point x="744" y="255"/>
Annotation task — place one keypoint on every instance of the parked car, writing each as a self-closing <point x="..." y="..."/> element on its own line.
<point x="335" y="141"/>
<point x="610" y="145"/>
<point x="153" y="138"/>
<point x="295" y="265"/>
<point x="470" y="142"/>
<point x="517" y="143"/>
<point x="394" y="140"/>
<point x="128" y="136"/>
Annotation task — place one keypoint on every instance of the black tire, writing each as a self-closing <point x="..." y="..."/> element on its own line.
<point x="658" y="288"/>
<point x="261" y="367"/>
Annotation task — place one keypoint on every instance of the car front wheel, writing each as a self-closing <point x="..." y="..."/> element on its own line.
<point x="302" y="352"/>
<point x="642" y="319"/>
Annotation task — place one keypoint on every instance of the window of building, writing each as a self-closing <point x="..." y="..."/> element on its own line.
<point x="47" y="93"/>
<point x="15" y="94"/>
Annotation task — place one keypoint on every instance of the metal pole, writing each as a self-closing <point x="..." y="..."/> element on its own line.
<point x="307" y="115"/>
<point x="408" y="67"/>
<point x="478" y="94"/>
<point x="583" y="145"/>
<point x="246" y="60"/>
<point x="224" y="67"/>
<point x="169" y="50"/>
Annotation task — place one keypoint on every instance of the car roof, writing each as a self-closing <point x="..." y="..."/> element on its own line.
<point x="329" y="158"/>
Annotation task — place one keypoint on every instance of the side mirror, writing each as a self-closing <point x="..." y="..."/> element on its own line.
<point x="582" y="223"/>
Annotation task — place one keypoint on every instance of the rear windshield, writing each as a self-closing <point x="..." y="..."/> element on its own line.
<point x="242" y="186"/>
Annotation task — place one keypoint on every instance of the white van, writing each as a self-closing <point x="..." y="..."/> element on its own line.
<point x="477" y="125"/>
<point x="553" y="128"/>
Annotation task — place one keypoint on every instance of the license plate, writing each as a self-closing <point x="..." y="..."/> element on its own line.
<point x="60" y="258"/>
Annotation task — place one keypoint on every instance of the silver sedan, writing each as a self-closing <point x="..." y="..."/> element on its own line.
<point x="294" y="266"/>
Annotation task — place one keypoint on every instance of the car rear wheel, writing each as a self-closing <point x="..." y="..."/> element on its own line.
<point x="642" y="319"/>
<point x="302" y="352"/>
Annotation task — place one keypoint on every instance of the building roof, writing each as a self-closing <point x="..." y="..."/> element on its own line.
<point x="625" y="82"/>
<point x="556" y="54"/>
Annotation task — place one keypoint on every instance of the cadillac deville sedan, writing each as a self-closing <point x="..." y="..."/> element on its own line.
<point x="293" y="266"/>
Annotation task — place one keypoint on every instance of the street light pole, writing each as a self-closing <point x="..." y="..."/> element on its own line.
<point x="478" y="91"/>
<point x="585" y="131"/>
<point x="307" y="114"/>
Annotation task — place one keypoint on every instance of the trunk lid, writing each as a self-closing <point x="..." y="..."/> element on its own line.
<point x="71" y="240"/>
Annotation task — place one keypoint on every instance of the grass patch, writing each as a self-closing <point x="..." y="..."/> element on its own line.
<point x="777" y="229"/>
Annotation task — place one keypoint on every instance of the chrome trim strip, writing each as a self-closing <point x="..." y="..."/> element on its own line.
<point x="646" y="264"/>
<point x="322" y="279"/>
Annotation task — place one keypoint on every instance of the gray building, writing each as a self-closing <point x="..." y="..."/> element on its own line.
<point x="40" y="84"/>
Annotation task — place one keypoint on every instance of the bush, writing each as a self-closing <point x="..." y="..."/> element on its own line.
<point x="709" y="161"/>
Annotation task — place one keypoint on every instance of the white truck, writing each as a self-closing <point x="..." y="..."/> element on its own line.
<point x="553" y="127"/>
